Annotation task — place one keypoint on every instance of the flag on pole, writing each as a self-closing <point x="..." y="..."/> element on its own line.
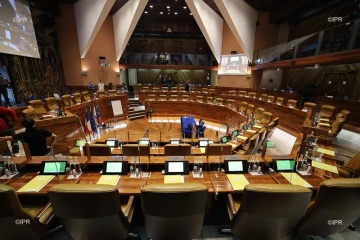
<point x="85" y="125"/>
<point x="92" y="121"/>
<point x="95" y="118"/>
<point x="98" y="115"/>
<point x="88" y="123"/>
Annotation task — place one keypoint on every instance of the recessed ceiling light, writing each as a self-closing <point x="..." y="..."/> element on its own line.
<point x="168" y="13"/>
<point x="161" y="12"/>
<point x="151" y="6"/>
<point x="168" y="7"/>
<point x="175" y="12"/>
<point x="145" y="11"/>
<point x="185" y="7"/>
<point x="191" y="13"/>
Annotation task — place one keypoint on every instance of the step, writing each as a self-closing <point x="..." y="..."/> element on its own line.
<point x="136" y="113"/>
<point x="137" y="117"/>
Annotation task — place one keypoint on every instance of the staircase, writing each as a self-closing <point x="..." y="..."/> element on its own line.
<point x="135" y="111"/>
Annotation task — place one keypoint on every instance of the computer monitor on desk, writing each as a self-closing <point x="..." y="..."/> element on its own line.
<point x="235" y="133"/>
<point x="245" y="127"/>
<point x="52" y="168"/>
<point x="146" y="142"/>
<point x="176" y="168"/>
<point x="224" y="139"/>
<point x="236" y="166"/>
<point x="115" y="168"/>
<point x="284" y="165"/>
<point x="112" y="143"/>
<point x="175" y="141"/>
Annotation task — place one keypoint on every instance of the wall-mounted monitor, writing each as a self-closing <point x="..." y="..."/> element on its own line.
<point x="17" y="34"/>
<point x="233" y="64"/>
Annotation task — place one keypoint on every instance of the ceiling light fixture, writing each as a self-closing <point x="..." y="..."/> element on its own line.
<point x="185" y="7"/>
<point x="175" y="12"/>
<point x="169" y="30"/>
<point x="161" y="12"/>
<point x="191" y="13"/>
<point x="168" y="13"/>
<point x="168" y="7"/>
<point x="151" y="6"/>
<point x="169" y="10"/>
<point x="145" y="11"/>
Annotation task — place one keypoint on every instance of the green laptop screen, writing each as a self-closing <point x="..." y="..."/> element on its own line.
<point x="114" y="167"/>
<point x="54" y="167"/>
<point x="285" y="164"/>
<point x="235" y="166"/>
<point x="143" y="142"/>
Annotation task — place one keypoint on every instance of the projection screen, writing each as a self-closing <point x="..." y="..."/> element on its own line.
<point x="17" y="34"/>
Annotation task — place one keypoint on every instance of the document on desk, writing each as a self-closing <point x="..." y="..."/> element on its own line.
<point x="242" y="138"/>
<point x="37" y="183"/>
<point x="237" y="181"/>
<point x="324" y="166"/>
<point x="202" y="150"/>
<point x="325" y="151"/>
<point x="251" y="131"/>
<point x="295" y="179"/>
<point x="257" y="126"/>
<point x="109" y="180"/>
<point x="173" y="179"/>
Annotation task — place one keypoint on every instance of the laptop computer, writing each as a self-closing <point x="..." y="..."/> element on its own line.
<point x="115" y="168"/>
<point x="236" y="166"/>
<point x="51" y="167"/>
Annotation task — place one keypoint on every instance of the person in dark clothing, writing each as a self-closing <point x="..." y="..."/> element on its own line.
<point x="7" y="129"/>
<point x="35" y="138"/>
<point x="110" y="86"/>
<point x="169" y="84"/>
<point x="149" y="110"/>
<point x="187" y="86"/>
<point x="4" y="90"/>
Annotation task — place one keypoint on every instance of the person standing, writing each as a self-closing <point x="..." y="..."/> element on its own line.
<point x="149" y="110"/>
<point x="7" y="129"/>
<point x="101" y="86"/>
<point x="169" y="84"/>
<point x="110" y="86"/>
<point x="4" y="89"/>
<point x="187" y="86"/>
<point x="91" y="87"/>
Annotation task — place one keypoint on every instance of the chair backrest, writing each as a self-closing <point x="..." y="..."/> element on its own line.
<point x="136" y="150"/>
<point x="271" y="99"/>
<point x="86" y="95"/>
<point x="11" y="212"/>
<point x="219" y="101"/>
<point x="209" y="99"/>
<point x="98" y="150"/>
<point x="162" y="97"/>
<point x="177" y="150"/>
<point x="242" y="93"/>
<point x="354" y="163"/>
<point x="346" y="113"/>
<point x="243" y="106"/>
<point x="174" y="211"/>
<point x="252" y="94"/>
<point x="174" y="89"/>
<point x="292" y="103"/>
<point x="51" y="103"/>
<point x="280" y="100"/>
<point x="211" y="91"/>
<point x="253" y="141"/>
<point x="262" y="134"/>
<point x="230" y="102"/>
<point x="288" y="205"/>
<point x="181" y="89"/>
<point x="204" y="90"/>
<point x="216" y="149"/>
<point x="309" y="106"/>
<point x="73" y="206"/>
<point x="151" y="96"/>
<point x="337" y="199"/>
<point x="164" y="89"/>
<point x="155" y="89"/>
<point x="145" y="89"/>
<point x="327" y="111"/>
<point x="77" y="97"/>
<point x="37" y="105"/>
<point x="232" y="92"/>
<point x="199" y="98"/>
<point x="266" y="117"/>
<point x="276" y="121"/>
<point x="264" y="97"/>
<point x="336" y="126"/>
<point x="185" y="97"/>
<point x="112" y="92"/>
<point x="30" y="113"/>
<point x="259" y="113"/>
<point x="66" y="100"/>
<point x="101" y="93"/>
<point x="249" y="110"/>
<point x="174" y="97"/>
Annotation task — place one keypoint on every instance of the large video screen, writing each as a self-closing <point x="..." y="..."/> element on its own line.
<point x="17" y="34"/>
<point x="235" y="64"/>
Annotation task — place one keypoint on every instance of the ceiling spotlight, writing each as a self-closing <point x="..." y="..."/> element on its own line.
<point x="145" y="11"/>
<point x="191" y="13"/>
<point x="168" y="7"/>
<point x="175" y="12"/>
<point x="151" y="6"/>
<point x="185" y="7"/>
<point x="168" y="13"/>
<point x="161" y="12"/>
<point x="169" y="30"/>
